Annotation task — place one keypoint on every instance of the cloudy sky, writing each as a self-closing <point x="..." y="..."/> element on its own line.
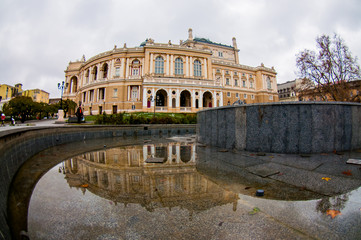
<point x="38" y="38"/>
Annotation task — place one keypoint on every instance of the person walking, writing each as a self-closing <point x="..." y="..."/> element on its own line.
<point x="79" y="113"/>
<point x="3" y="119"/>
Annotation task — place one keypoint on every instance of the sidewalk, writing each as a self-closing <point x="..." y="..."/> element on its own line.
<point x="32" y="123"/>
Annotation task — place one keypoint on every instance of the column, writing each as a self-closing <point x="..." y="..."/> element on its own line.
<point x="177" y="100"/>
<point x="193" y="96"/>
<point x="200" y="103"/>
<point x="169" y="92"/>
<point x="187" y="67"/>
<point x="167" y="66"/>
<point x="205" y="69"/>
<point x="190" y="66"/>
<point x="122" y="68"/>
<point x="221" y="99"/>
<point x="145" y="97"/>
<point x="127" y="69"/>
<point x="151" y="63"/>
<point x="128" y="94"/>
<point x="214" y="96"/>
<point x="111" y="69"/>
<point x="171" y="65"/>
<point x="153" y="94"/>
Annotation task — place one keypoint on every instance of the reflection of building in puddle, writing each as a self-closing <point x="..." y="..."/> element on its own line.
<point x="122" y="175"/>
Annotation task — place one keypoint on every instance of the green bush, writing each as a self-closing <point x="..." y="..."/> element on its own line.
<point x="146" y="118"/>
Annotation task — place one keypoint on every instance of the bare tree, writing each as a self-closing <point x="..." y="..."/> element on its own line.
<point x="331" y="73"/>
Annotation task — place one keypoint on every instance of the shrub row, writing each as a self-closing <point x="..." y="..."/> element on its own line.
<point x="141" y="118"/>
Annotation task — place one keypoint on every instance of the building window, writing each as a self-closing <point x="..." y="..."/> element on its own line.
<point x="227" y="72"/>
<point x="197" y="68"/>
<point x="269" y="86"/>
<point x="245" y="96"/>
<point x="135" y="72"/>
<point x="84" y="97"/>
<point x="228" y="94"/>
<point x="252" y="96"/>
<point x="235" y="73"/>
<point x="134" y="93"/>
<point x="105" y="70"/>
<point x="101" y="93"/>
<point x="251" y="84"/>
<point x="159" y="65"/>
<point x="220" y="54"/>
<point x="95" y="73"/>
<point x="237" y="95"/>
<point x="117" y="71"/>
<point x="227" y="81"/>
<point x="270" y="97"/>
<point x="243" y="83"/>
<point x="235" y="82"/>
<point x="91" y="95"/>
<point x="178" y="67"/>
<point x="87" y="76"/>
<point x="115" y="92"/>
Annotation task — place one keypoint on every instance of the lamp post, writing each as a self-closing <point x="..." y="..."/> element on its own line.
<point x="61" y="87"/>
<point x="61" y="111"/>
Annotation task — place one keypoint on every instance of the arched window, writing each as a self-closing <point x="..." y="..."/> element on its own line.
<point x="178" y="68"/>
<point x="269" y="86"/>
<point x="159" y="65"/>
<point x="95" y="73"/>
<point x="105" y="70"/>
<point x="197" y="68"/>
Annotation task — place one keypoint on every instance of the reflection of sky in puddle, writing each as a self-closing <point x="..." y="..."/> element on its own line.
<point x="116" y="194"/>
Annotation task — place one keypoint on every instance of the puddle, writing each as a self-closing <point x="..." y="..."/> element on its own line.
<point x="186" y="192"/>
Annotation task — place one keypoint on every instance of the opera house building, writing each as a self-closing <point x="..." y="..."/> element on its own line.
<point x="165" y="77"/>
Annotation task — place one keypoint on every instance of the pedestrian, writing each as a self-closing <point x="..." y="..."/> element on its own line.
<point x="3" y="119"/>
<point x="79" y="113"/>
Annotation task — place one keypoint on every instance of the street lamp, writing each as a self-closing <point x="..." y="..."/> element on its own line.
<point x="61" y="111"/>
<point x="61" y="87"/>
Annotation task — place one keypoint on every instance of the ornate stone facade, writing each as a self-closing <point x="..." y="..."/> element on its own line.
<point x="186" y="77"/>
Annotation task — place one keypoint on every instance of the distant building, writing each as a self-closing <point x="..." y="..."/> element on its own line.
<point x="193" y="75"/>
<point x="7" y="92"/>
<point x="288" y="91"/>
<point x="54" y="100"/>
<point x="343" y="91"/>
<point x="37" y="95"/>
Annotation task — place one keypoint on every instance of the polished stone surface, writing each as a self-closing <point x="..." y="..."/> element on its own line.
<point x="211" y="196"/>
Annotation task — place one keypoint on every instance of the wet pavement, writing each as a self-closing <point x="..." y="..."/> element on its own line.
<point x="198" y="192"/>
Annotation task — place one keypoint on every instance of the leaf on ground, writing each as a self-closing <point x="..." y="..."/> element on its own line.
<point x="326" y="179"/>
<point x="348" y="173"/>
<point x="220" y="224"/>
<point x="333" y="213"/>
<point x="85" y="185"/>
<point x="254" y="211"/>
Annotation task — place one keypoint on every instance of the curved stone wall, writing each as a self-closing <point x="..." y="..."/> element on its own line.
<point x="17" y="146"/>
<point x="293" y="127"/>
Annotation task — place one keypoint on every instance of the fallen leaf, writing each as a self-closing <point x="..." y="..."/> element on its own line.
<point x="223" y="150"/>
<point x="85" y="185"/>
<point x="271" y="156"/>
<point x="324" y="154"/>
<point x="254" y="211"/>
<point x="252" y="154"/>
<point x="326" y="178"/>
<point x="220" y="224"/>
<point x="333" y="213"/>
<point x="280" y="174"/>
<point x="348" y="173"/>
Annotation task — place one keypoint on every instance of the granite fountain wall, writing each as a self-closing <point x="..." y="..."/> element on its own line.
<point x="294" y="127"/>
<point x="17" y="146"/>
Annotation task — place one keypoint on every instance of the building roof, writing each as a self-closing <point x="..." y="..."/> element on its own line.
<point x="206" y="40"/>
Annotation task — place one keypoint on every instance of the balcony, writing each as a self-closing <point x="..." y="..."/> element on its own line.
<point x="184" y="81"/>
<point x="160" y="109"/>
<point x="185" y="109"/>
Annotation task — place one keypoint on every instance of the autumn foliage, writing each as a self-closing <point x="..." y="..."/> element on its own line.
<point x="331" y="73"/>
